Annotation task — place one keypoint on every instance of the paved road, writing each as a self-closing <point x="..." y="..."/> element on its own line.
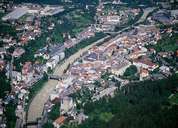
<point x="37" y="104"/>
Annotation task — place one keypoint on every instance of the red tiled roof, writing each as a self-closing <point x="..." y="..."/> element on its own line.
<point x="60" y="120"/>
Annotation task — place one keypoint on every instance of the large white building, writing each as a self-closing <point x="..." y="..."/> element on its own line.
<point x="16" y="14"/>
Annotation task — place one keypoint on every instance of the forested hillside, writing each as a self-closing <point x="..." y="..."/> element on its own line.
<point x="139" y="105"/>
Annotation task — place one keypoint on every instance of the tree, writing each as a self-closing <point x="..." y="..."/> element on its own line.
<point x="4" y="84"/>
<point x="146" y="103"/>
<point x="54" y="113"/>
<point x="130" y="71"/>
<point x="10" y="114"/>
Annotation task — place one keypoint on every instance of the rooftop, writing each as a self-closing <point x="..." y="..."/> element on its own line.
<point x="16" y="14"/>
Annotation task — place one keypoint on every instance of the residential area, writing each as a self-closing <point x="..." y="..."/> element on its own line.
<point x="111" y="47"/>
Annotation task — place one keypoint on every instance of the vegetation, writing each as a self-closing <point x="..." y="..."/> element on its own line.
<point x="167" y="43"/>
<point x="106" y="75"/>
<point x="4" y="85"/>
<point x="131" y="21"/>
<point x="138" y="105"/>
<point x="82" y="44"/>
<point x="55" y="112"/>
<point x="52" y="116"/>
<point x="138" y="2"/>
<point x="10" y="114"/>
<point x="39" y="1"/>
<point x="130" y="72"/>
<point x="5" y="88"/>
<point x="7" y="29"/>
<point x="82" y="20"/>
<point x="174" y="99"/>
<point x="54" y="2"/>
<point x="48" y="125"/>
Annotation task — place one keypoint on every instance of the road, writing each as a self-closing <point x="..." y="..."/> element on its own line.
<point x="37" y="104"/>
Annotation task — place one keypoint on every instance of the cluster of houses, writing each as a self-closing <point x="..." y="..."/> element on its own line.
<point x="28" y="8"/>
<point x="27" y="21"/>
<point x="85" y="34"/>
<point x="108" y="19"/>
<point x="114" y="56"/>
<point x="30" y="73"/>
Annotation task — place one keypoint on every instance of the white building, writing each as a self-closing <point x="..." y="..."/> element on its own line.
<point x="16" y="14"/>
<point x="51" y="63"/>
<point x="67" y="105"/>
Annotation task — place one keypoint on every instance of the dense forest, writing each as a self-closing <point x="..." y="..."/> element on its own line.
<point x="138" y="105"/>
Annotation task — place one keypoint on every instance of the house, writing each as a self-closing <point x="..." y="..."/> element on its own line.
<point x="67" y="105"/>
<point x="51" y="63"/>
<point x="174" y="13"/>
<point x="59" y="121"/>
<point x="27" y="72"/>
<point x="18" y="52"/>
<point x="61" y="55"/>
<point x="87" y="33"/>
<point x="177" y="53"/>
<point x="146" y="63"/>
<point x="106" y="92"/>
<point x="16" y="76"/>
<point x="7" y="39"/>
<point x="143" y="73"/>
<point x="81" y="117"/>
<point x="2" y="64"/>
<point x="118" y="67"/>
<point x="53" y="96"/>
<point x="137" y="52"/>
<point x="2" y="52"/>
<point x="165" y="70"/>
<point x="163" y="54"/>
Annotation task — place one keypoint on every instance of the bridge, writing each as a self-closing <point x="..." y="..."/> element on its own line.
<point x="54" y="77"/>
<point x="33" y="124"/>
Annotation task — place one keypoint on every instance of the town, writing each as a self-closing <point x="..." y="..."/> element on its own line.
<point x="58" y="58"/>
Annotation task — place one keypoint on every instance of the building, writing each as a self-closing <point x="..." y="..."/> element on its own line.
<point x="143" y="73"/>
<point x="174" y="13"/>
<point x="18" y="52"/>
<point x="51" y="63"/>
<point x="2" y="64"/>
<point x="145" y="63"/>
<point x="119" y="67"/>
<point x="51" y="10"/>
<point x="16" y="14"/>
<point x="162" y="16"/>
<point x="27" y="72"/>
<point x="106" y="92"/>
<point x="59" y="121"/>
<point x="67" y="106"/>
